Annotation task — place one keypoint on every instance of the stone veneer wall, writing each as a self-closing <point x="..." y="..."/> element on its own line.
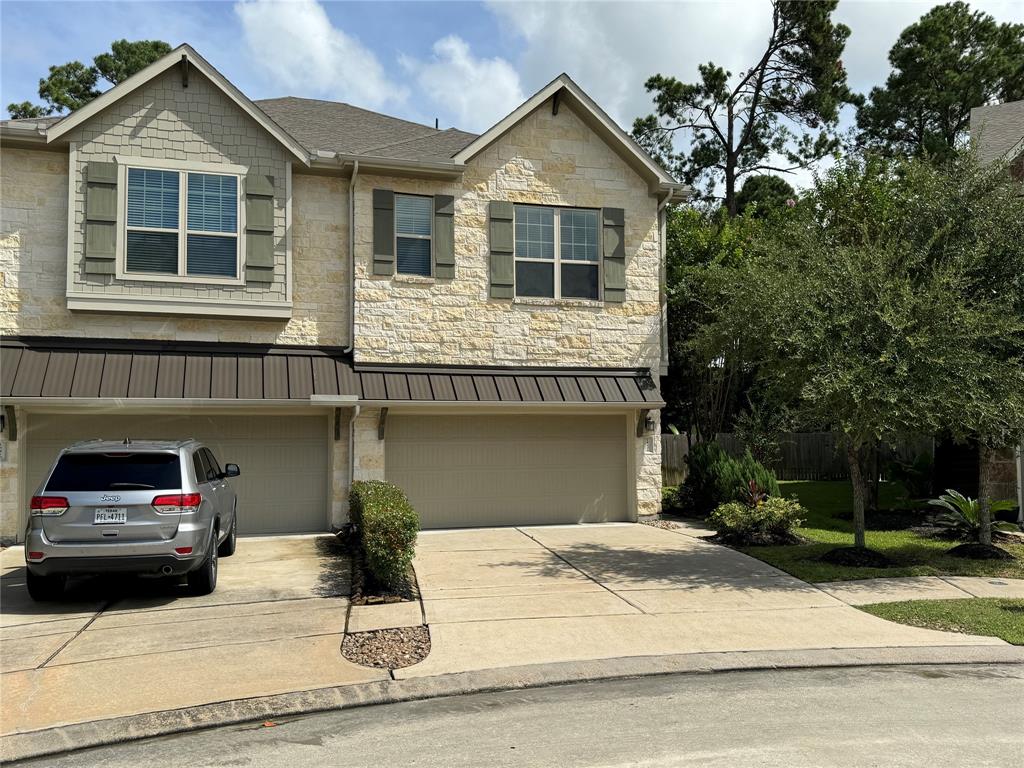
<point x="33" y="253"/>
<point x="10" y="487"/>
<point x="549" y="159"/>
<point x="368" y="451"/>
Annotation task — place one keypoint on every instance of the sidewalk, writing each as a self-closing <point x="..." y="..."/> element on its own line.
<point x="870" y="591"/>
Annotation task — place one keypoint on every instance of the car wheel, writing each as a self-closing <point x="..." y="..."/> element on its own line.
<point x="203" y="580"/>
<point x="227" y="548"/>
<point x="43" y="588"/>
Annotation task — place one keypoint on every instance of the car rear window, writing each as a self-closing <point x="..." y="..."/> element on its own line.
<point x="115" y="471"/>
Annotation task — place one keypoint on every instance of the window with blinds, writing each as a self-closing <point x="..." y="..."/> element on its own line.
<point x="197" y="240"/>
<point x="414" y="217"/>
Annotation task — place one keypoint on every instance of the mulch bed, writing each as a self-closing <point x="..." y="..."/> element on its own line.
<point x="976" y="551"/>
<point x="387" y="648"/>
<point x="857" y="557"/>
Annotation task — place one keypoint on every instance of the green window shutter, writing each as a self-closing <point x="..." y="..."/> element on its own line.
<point x="502" y="239"/>
<point x="614" y="253"/>
<point x="259" y="228"/>
<point x="100" y="217"/>
<point x="444" y="236"/>
<point x="383" y="232"/>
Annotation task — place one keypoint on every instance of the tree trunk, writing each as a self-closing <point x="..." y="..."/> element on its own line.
<point x="985" y="457"/>
<point x="871" y="470"/>
<point x="853" y="456"/>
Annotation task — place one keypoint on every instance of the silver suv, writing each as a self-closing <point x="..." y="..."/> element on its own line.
<point x="146" y="506"/>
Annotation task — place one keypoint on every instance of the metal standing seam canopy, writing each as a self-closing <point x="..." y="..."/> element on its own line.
<point x="44" y="367"/>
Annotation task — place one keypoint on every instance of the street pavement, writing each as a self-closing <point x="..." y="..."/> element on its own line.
<point x="890" y="717"/>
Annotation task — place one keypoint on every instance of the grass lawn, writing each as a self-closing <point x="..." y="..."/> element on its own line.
<point x="915" y="555"/>
<point x="997" y="617"/>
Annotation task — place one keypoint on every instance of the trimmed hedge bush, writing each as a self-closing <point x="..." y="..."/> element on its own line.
<point x="768" y="522"/>
<point x="386" y="525"/>
<point x="714" y="477"/>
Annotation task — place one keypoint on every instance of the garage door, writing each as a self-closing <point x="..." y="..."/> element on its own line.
<point x="283" y="486"/>
<point x="462" y="471"/>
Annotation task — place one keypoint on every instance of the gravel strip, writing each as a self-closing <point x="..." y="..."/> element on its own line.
<point x="387" y="648"/>
<point x="666" y="524"/>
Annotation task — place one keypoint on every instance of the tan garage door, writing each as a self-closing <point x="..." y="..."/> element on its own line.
<point x="462" y="471"/>
<point x="283" y="486"/>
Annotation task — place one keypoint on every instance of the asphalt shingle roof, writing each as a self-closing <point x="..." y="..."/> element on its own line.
<point x="338" y="127"/>
<point x="998" y="129"/>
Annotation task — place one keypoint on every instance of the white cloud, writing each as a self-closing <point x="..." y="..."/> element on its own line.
<point x="297" y="47"/>
<point x="474" y="92"/>
<point x="611" y="48"/>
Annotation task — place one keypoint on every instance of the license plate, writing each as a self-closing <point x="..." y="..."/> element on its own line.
<point x="111" y="516"/>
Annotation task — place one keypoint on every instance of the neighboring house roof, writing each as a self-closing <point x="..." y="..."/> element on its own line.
<point x="51" y="367"/>
<point x="183" y="53"/>
<point x="998" y="130"/>
<point x="564" y="88"/>
<point x="337" y="127"/>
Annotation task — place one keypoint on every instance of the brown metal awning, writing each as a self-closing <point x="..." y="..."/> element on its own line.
<point x="57" y="368"/>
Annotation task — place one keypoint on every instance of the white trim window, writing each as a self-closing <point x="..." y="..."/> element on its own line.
<point x="556" y="252"/>
<point x="414" y="230"/>
<point x="165" y="240"/>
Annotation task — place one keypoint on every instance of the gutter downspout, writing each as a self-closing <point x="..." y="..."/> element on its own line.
<point x="352" y="258"/>
<point x="662" y="278"/>
<point x="352" y="451"/>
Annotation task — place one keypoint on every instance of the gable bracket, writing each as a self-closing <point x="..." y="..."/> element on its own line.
<point x="554" y="102"/>
<point x="184" y="71"/>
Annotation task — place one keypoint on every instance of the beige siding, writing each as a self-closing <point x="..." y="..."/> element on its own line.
<point x="284" y="459"/>
<point x="481" y="470"/>
<point x="550" y="159"/>
<point x="164" y="121"/>
<point x="33" y="258"/>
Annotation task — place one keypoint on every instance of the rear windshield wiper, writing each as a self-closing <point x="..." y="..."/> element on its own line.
<point x="140" y="486"/>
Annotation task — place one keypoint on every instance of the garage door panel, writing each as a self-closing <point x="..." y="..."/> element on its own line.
<point x="284" y="459"/>
<point x="509" y="470"/>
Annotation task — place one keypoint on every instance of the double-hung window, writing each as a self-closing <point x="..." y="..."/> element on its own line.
<point x="556" y="252"/>
<point x="181" y="224"/>
<point x="414" y="216"/>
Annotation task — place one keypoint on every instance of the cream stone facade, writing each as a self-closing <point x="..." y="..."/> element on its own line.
<point x="549" y="156"/>
<point x="548" y="159"/>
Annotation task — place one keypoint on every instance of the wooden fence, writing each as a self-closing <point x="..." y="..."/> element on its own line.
<point x="805" y="455"/>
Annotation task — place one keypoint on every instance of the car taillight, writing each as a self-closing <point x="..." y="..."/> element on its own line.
<point x="183" y="550"/>
<point x="181" y="503"/>
<point x="49" y="505"/>
<point x="34" y="557"/>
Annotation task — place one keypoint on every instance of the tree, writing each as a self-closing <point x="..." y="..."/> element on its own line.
<point x="949" y="61"/>
<point x="865" y="311"/>
<point x="767" y="193"/>
<point x="780" y="115"/>
<point x="73" y="85"/>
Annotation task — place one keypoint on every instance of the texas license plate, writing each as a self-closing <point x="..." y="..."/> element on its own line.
<point x="111" y="516"/>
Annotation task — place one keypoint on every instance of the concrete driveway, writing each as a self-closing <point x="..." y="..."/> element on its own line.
<point x="118" y="647"/>
<point x="505" y="597"/>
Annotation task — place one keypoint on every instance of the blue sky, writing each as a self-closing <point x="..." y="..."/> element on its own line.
<point x="465" y="63"/>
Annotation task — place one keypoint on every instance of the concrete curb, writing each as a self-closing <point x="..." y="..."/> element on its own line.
<point x="56" y="740"/>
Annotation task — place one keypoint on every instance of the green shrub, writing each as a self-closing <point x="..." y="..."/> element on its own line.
<point x="768" y="522"/>
<point x="386" y="525"/>
<point x="714" y="477"/>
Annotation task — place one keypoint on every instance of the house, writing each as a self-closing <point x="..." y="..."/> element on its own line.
<point x="323" y="293"/>
<point x="998" y="132"/>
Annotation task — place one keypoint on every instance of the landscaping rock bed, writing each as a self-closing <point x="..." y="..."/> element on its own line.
<point x="668" y="525"/>
<point x="387" y="648"/>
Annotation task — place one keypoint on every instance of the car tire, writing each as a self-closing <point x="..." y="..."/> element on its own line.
<point x="44" y="588"/>
<point x="227" y="547"/>
<point x="203" y="580"/>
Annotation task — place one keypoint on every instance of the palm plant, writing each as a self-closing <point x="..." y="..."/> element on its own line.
<point x="963" y="516"/>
